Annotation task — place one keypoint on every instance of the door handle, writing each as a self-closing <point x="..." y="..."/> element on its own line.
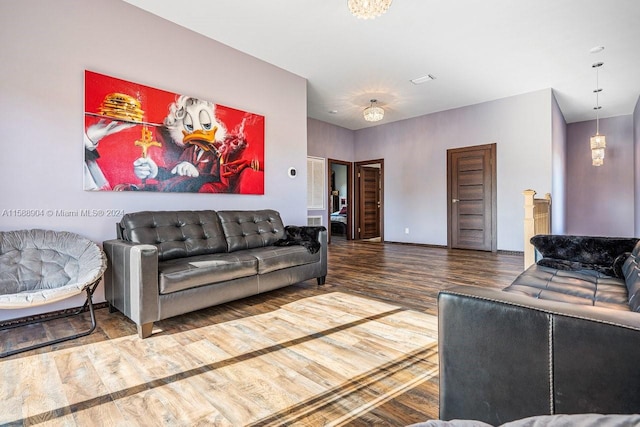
<point x="455" y="201"/>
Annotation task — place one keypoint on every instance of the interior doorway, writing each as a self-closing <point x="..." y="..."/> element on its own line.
<point x="471" y="195"/>
<point x="369" y="201"/>
<point x="340" y="206"/>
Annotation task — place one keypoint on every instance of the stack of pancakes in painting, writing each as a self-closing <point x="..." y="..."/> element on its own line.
<point x="122" y="107"/>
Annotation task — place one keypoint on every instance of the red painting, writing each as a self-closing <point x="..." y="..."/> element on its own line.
<point x="139" y="138"/>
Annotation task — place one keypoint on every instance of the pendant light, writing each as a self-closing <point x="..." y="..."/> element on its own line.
<point x="598" y="142"/>
<point x="373" y="113"/>
<point x="368" y="9"/>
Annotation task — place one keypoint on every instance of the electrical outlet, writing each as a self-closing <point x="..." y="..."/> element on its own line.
<point x="406" y="230"/>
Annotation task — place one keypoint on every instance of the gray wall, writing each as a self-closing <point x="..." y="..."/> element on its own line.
<point x="636" y="162"/>
<point x="600" y="200"/>
<point x="329" y="142"/>
<point x="414" y="153"/>
<point x="47" y="45"/>
<point x="536" y="149"/>
<point x="559" y="171"/>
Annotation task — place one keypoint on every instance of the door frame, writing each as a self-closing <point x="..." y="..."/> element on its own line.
<point x="349" y="165"/>
<point x="492" y="147"/>
<point x="357" y="201"/>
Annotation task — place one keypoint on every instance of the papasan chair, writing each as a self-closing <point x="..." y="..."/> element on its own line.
<point x="40" y="267"/>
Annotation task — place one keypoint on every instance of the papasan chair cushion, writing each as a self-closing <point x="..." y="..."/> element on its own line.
<point x="43" y="266"/>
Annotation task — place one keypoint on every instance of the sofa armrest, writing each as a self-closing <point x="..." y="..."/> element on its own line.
<point x="314" y="238"/>
<point x="295" y="234"/>
<point x="505" y="356"/>
<point x="319" y="235"/>
<point x="322" y="238"/>
<point x="131" y="280"/>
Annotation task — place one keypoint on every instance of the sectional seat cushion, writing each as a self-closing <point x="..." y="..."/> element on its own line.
<point x="276" y="258"/>
<point x="584" y="287"/>
<point x="251" y="229"/>
<point x="185" y="273"/>
<point x="176" y="234"/>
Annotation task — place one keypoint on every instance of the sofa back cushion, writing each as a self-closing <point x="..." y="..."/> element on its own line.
<point x="603" y="254"/>
<point x="631" y="272"/>
<point x="176" y="234"/>
<point x="251" y="229"/>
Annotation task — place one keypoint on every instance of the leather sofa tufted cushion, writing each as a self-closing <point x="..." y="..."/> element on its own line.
<point x="277" y="258"/>
<point x="186" y="273"/>
<point x="251" y="229"/>
<point x="176" y="234"/>
<point x="584" y="287"/>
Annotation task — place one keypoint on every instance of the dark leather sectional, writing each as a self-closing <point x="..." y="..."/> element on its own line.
<point x="564" y="338"/>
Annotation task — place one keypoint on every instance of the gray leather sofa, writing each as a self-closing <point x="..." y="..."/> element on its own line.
<point x="564" y="338"/>
<point x="166" y="263"/>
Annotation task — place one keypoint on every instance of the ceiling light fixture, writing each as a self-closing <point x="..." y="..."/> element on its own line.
<point x="368" y="9"/>
<point x="422" y="79"/>
<point x="373" y="113"/>
<point x="598" y="142"/>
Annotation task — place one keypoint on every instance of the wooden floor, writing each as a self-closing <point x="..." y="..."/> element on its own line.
<point x="394" y="278"/>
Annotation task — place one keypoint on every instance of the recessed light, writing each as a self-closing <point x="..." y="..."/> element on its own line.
<point x="596" y="49"/>
<point x="422" y="79"/>
<point x="333" y="111"/>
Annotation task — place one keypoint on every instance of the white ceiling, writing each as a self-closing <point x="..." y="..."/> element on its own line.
<point x="477" y="50"/>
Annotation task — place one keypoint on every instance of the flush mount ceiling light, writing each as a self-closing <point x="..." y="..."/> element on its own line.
<point x="373" y="113"/>
<point x="368" y="9"/>
<point x="597" y="142"/>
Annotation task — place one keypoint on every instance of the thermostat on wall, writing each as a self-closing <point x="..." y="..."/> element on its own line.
<point x="292" y="172"/>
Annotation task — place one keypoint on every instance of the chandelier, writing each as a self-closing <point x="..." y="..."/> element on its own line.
<point x="373" y="113"/>
<point x="368" y="9"/>
<point x="598" y="142"/>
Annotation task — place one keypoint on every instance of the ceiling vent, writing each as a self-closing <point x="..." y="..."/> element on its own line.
<point x="423" y="79"/>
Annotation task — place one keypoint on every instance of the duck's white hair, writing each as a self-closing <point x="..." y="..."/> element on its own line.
<point x="178" y="111"/>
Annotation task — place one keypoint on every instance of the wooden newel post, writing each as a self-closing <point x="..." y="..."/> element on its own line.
<point x="529" y="227"/>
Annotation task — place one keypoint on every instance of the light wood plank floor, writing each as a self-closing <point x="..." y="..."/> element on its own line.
<point x="370" y="384"/>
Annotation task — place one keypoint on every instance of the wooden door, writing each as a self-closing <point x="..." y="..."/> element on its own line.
<point x="335" y="201"/>
<point x="370" y="201"/>
<point x="471" y="190"/>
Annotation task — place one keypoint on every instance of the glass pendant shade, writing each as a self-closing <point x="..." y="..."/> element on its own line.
<point x="598" y="141"/>
<point x="598" y="144"/>
<point x="368" y="9"/>
<point x="373" y="113"/>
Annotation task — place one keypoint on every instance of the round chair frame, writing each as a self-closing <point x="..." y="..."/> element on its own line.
<point x="85" y="253"/>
